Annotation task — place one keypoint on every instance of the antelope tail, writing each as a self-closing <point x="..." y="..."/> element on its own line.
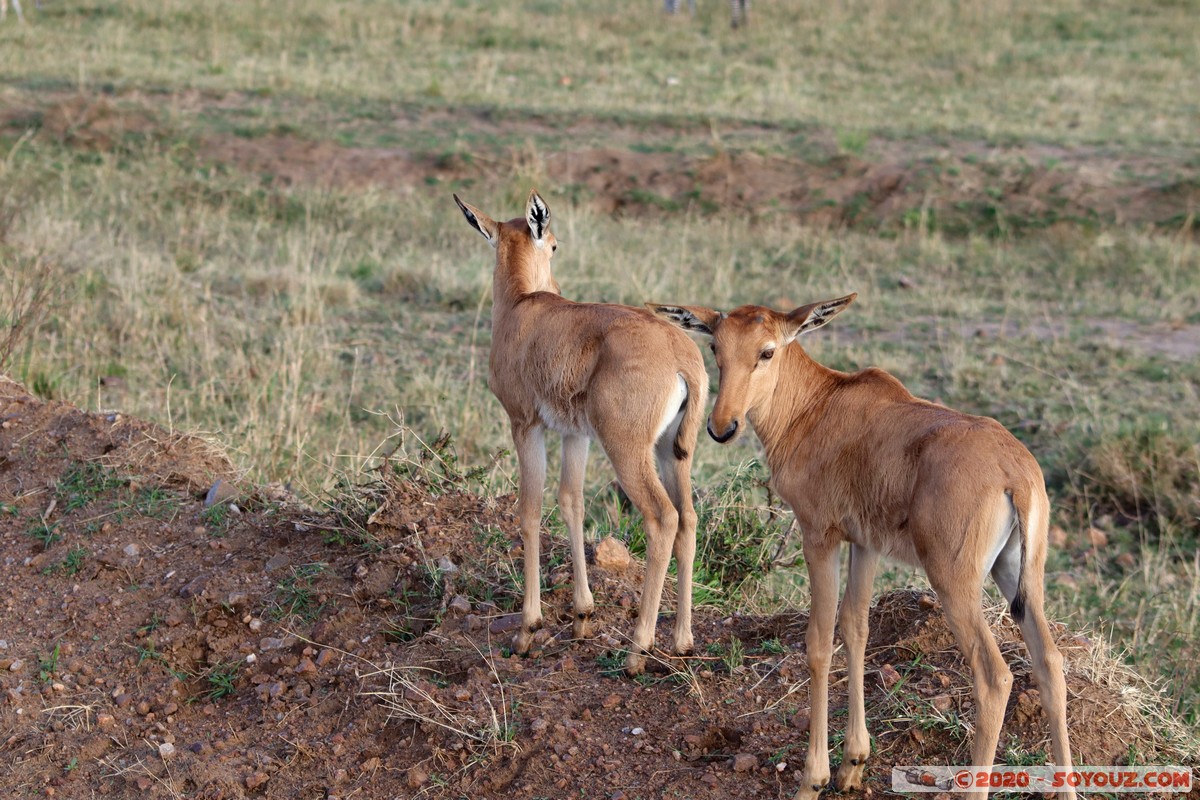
<point x="693" y="413"/>
<point x="1020" y="519"/>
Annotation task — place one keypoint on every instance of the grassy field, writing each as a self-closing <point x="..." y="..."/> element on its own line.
<point x="188" y="271"/>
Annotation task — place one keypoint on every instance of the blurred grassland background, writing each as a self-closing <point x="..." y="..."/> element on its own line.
<point x="235" y="218"/>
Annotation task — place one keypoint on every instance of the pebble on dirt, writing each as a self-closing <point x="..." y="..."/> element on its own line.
<point x="888" y="676"/>
<point x="417" y="777"/>
<point x="460" y="605"/>
<point x="612" y="555"/>
<point x="278" y="561"/>
<point x="744" y="762"/>
<point x="219" y="492"/>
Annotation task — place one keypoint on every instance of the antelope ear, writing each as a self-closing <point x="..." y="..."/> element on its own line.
<point x="537" y="214"/>
<point x="814" y="315"/>
<point x="480" y="222"/>
<point x="690" y="318"/>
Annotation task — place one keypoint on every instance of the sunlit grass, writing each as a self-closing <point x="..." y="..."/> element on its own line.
<point x="301" y="325"/>
<point x="1060" y="71"/>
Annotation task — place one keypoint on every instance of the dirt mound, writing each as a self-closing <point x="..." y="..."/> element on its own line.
<point x="96" y="122"/>
<point x="39" y="431"/>
<point x="953" y="192"/>
<point x="955" y="186"/>
<point x="156" y="647"/>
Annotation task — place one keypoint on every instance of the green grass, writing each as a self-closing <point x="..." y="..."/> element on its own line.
<point x="71" y="563"/>
<point x="221" y="680"/>
<point x="312" y="328"/>
<point x="83" y="482"/>
<point x="216" y="518"/>
<point x="296" y="596"/>
<point x="46" y="533"/>
<point x="1014" y="70"/>
<point x="155" y="502"/>
<point x="612" y="663"/>
<point x="48" y="666"/>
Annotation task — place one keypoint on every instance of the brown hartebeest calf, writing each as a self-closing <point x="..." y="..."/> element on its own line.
<point x="860" y="459"/>
<point x="592" y="370"/>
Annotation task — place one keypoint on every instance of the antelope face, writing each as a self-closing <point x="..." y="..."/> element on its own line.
<point x="746" y="343"/>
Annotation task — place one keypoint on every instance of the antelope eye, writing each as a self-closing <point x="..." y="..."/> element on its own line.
<point x="767" y="355"/>
<point x="554" y="248"/>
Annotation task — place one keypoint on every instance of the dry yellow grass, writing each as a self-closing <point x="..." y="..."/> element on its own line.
<point x="302" y="325"/>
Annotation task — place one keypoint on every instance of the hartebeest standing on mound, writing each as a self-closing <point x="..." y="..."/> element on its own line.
<point x="592" y="370"/>
<point x="860" y="459"/>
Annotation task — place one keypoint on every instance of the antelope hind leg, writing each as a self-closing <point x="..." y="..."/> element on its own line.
<point x="531" y="457"/>
<point x="570" y="505"/>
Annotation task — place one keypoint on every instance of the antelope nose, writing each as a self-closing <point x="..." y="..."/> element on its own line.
<point x="724" y="436"/>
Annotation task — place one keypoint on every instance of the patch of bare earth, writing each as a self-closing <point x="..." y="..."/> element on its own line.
<point x="156" y="648"/>
<point x="621" y="167"/>
<point x="844" y="190"/>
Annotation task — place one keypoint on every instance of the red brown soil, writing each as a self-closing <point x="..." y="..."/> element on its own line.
<point x="619" y="167"/>
<point x="369" y="659"/>
<point x="935" y="187"/>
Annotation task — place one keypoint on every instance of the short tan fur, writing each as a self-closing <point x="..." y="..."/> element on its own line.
<point x="590" y="370"/>
<point x="861" y="460"/>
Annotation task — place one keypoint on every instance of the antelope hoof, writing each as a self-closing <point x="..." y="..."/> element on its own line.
<point x="635" y="664"/>
<point x="684" y="646"/>
<point x="582" y="628"/>
<point x="809" y="791"/>
<point x="850" y="774"/>
<point x="524" y="638"/>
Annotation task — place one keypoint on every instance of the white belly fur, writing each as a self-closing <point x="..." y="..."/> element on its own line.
<point x="575" y="425"/>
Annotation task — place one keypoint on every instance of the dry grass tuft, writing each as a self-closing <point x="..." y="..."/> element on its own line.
<point x="410" y="696"/>
<point x="1140" y="701"/>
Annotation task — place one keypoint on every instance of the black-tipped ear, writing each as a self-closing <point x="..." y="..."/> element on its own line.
<point x="815" y="315"/>
<point x="690" y="318"/>
<point x="480" y="221"/>
<point x="537" y="214"/>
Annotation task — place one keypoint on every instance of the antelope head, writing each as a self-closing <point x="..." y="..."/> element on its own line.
<point x="524" y="245"/>
<point x="745" y="343"/>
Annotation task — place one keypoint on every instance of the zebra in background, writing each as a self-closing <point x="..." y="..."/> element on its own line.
<point x="17" y="7"/>
<point x="740" y="10"/>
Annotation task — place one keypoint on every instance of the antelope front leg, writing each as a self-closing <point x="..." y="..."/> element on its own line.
<point x="854" y="626"/>
<point x="531" y="457"/>
<point x="822" y="558"/>
<point x="570" y="505"/>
